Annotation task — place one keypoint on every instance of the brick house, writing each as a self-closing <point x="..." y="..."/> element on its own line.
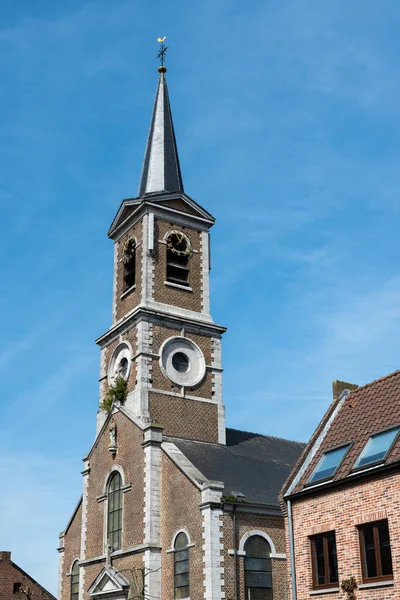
<point x="13" y="580"/>
<point x="174" y="504"/>
<point x="342" y="499"/>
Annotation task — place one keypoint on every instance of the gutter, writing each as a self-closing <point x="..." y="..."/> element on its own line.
<point x="291" y="550"/>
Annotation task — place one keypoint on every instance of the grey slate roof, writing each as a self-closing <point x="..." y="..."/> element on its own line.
<point x="253" y="464"/>
<point x="161" y="171"/>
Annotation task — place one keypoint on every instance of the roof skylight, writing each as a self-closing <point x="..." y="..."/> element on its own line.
<point x="328" y="464"/>
<point x="377" y="447"/>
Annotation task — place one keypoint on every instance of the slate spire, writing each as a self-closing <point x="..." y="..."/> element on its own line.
<point x="161" y="171"/>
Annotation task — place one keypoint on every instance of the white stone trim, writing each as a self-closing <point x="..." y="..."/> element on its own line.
<point x="152" y="510"/>
<point x="184" y="464"/>
<point x="60" y="567"/>
<point x="115" y="282"/>
<point x="145" y="274"/>
<point x="213" y="546"/>
<point x="123" y="350"/>
<point x="85" y="473"/>
<point x="262" y="534"/>
<point x="110" y="471"/>
<point x="182" y="530"/>
<point x="137" y="401"/>
<point x="185" y="288"/>
<point x="205" y="272"/>
<point x="197" y="364"/>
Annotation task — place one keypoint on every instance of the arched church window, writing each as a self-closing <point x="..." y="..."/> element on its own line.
<point x="181" y="567"/>
<point x="75" y="581"/>
<point x="258" y="569"/>
<point x="129" y="260"/>
<point x="114" y="511"/>
<point x="178" y="253"/>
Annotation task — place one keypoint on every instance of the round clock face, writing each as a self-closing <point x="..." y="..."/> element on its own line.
<point x="178" y="243"/>
<point x="128" y="251"/>
<point x="182" y="361"/>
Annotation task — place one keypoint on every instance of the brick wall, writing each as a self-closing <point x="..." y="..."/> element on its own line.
<point x="128" y="565"/>
<point x="190" y="300"/>
<point x="130" y="458"/>
<point x="341" y="511"/>
<point x="180" y="509"/>
<point x="128" y="302"/>
<point x="188" y="419"/>
<point x="245" y="522"/>
<point x="10" y="574"/>
<point x="72" y="545"/>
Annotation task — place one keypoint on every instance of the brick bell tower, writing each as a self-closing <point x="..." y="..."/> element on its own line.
<point x="163" y="340"/>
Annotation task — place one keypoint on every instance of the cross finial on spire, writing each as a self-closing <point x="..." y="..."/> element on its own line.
<point x="161" y="54"/>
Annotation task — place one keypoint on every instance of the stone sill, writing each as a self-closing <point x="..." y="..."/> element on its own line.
<point x="376" y="584"/>
<point x="177" y="285"/>
<point x="128" y="291"/>
<point x="324" y="591"/>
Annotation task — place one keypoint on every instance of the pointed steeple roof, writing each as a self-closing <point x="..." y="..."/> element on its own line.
<point x="161" y="171"/>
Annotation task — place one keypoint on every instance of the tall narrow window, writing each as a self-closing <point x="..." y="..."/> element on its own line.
<point x="178" y="252"/>
<point x="324" y="560"/>
<point x="114" y="511"/>
<point x="181" y="567"/>
<point x="376" y="556"/>
<point x="258" y="569"/>
<point x="75" y="581"/>
<point x="129" y="260"/>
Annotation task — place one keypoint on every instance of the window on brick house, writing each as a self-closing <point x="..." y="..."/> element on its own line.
<point x="377" y="447"/>
<point x="129" y="260"/>
<point x="376" y="556"/>
<point x="178" y="253"/>
<point x="114" y="511"/>
<point x="16" y="588"/>
<point x="181" y="567"/>
<point x="328" y="464"/>
<point x="258" y="569"/>
<point x="75" y="581"/>
<point x="324" y="560"/>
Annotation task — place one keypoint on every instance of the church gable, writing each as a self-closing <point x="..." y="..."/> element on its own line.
<point x="118" y="449"/>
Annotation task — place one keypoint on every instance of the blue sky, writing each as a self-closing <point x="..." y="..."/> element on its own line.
<point x="286" y="114"/>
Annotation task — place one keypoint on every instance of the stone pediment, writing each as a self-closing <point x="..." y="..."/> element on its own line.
<point x="180" y="203"/>
<point x="109" y="584"/>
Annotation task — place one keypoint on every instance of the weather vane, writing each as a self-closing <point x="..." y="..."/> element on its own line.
<point x="161" y="53"/>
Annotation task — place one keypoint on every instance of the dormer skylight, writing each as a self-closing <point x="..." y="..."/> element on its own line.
<point x="328" y="464"/>
<point x="377" y="447"/>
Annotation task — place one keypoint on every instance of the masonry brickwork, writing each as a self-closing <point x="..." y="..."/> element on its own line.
<point x="187" y="299"/>
<point x="185" y="418"/>
<point x="129" y="458"/>
<point x="273" y="526"/>
<point x="125" y="302"/>
<point x="180" y="507"/>
<point x="341" y="511"/>
<point x="71" y="549"/>
<point x="11" y="575"/>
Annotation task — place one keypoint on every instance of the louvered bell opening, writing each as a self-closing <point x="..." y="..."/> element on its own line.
<point x="177" y="268"/>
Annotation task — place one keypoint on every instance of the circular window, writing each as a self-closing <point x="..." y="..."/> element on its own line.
<point x="120" y="363"/>
<point x="180" y="362"/>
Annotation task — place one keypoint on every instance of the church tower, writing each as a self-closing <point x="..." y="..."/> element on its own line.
<point x="163" y="340"/>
